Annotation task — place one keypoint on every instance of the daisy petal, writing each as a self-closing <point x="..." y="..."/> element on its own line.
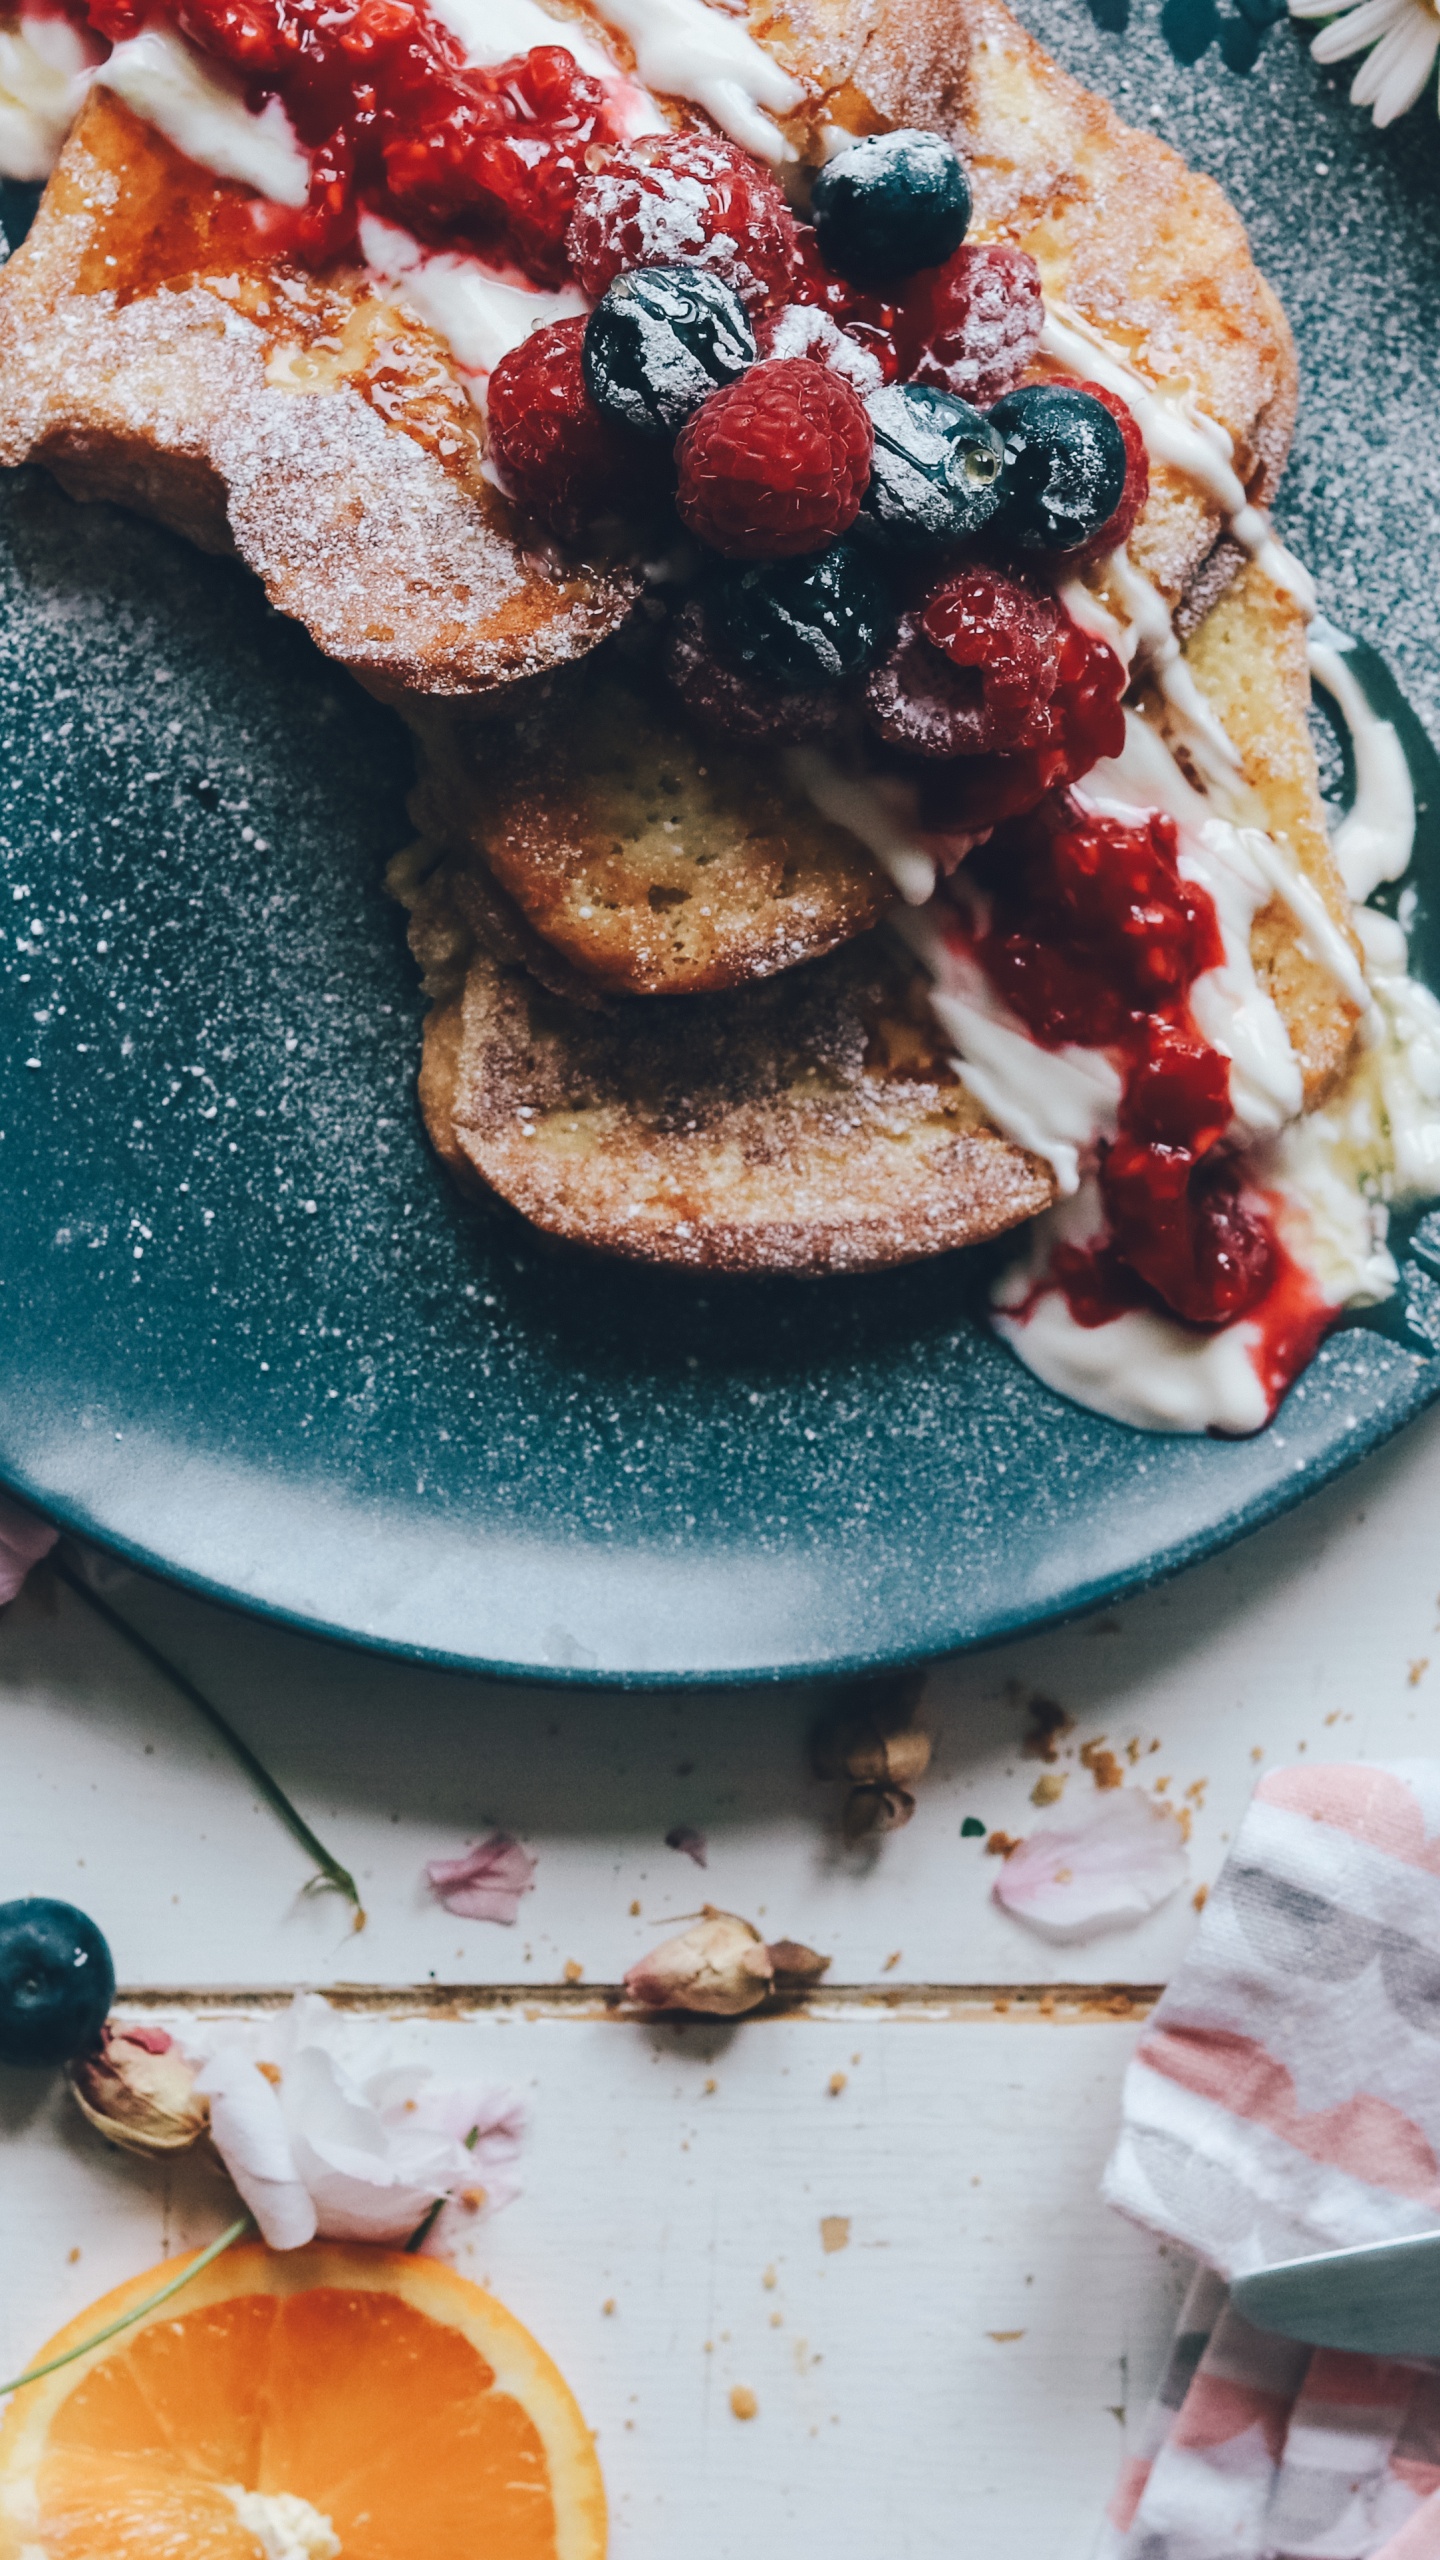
<point x="1359" y="28"/>
<point x="1398" y="68"/>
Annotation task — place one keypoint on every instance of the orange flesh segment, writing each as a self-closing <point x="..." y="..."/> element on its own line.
<point x="386" y="2421"/>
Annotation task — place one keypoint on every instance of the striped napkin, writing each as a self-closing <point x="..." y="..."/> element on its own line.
<point x="1285" y="2099"/>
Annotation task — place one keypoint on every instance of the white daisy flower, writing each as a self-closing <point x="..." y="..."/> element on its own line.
<point x="1399" y="38"/>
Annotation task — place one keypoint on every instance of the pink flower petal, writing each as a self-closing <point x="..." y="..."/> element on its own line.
<point x="24" y="1539"/>
<point x="487" y="1882"/>
<point x="1105" y="1874"/>
<point x="693" y="1843"/>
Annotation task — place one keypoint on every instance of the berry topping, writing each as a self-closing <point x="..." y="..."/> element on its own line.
<point x="731" y="703"/>
<point x="1011" y="634"/>
<point x="890" y="204"/>
<point x="971" y="326"/>
<point x="686" y="198"/>
<point x="1185" y="1230"/>
<point x="658" y="344"/>
<point x="1137" y="471"/>
<point x="1020" y="702"/>
<point x="803" y="329"/>
<point x="558" y="455"/>
<point x="56" y="1981"/>
<point x="1065" y="465"/>
<point x="935" y="473"/>
<point x="801" y="623"/>
<point x="916" y="699"/>
<point x="776" y="463"/>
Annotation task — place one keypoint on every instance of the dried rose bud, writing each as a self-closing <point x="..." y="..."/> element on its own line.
<point x="139" y="2091"/>
<point x="795" y="1965"/>
<point x="871" y="1810"/>
<point x="721" y="1967"/>
<point x="872" y="1738"/>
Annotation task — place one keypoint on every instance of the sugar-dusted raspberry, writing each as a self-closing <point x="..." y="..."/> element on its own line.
<point x="804" y="329"/>
<point x="918" y="700"/>
<point x="733" y="704"/>
<point x="1011" y="633"/>
<point x="971" y="326"/>
<point x="863" y="316"/>
<point x="1121" y="525"/>
<point x="776" y="463"/>
<point x="683" y="198"/>
<point x="560" y="457"/>
<point x="1021" y="702"/>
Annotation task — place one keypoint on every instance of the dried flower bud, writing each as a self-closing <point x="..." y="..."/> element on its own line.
<point x="795" y="1966"/>
<point x="139" y="2091"/>
<point x="872" y="1738"/>
<point x="871" y="1810"/>
<point x="721" y="1967"/>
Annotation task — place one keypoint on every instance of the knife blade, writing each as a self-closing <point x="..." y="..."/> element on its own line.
<point x="1380" y="2299"/>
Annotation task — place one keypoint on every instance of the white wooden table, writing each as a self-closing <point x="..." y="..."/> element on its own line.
<point x="943" y="2327"/>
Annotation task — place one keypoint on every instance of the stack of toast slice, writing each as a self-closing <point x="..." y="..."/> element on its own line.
<point x="667" y="1020"/>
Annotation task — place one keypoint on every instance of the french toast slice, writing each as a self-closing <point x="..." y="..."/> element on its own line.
<point x="808" y="1123"/>
<point x="657" y="860"/>
<point x="151" y="353"/>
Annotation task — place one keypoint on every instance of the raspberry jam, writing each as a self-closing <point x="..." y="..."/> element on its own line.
<point x="1093" y="938"/>
<point x="398" y="123"/>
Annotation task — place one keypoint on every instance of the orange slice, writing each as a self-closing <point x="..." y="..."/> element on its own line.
<point x="327" y="2401"/>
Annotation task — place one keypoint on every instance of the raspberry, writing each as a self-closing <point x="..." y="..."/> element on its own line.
<point x="561" y="458"/>
<point x="803" y="329"/>
<point x="493" y="155"/>
<point x="863" y="316"/>
<point x="776" y="463"/>
<point x="1027" y="700"/>
<point x="1121" y="525"/>
<point x="971" y="326"/>
<point x="1011" y="633"/>
<point x="733" y="704"/>
<point x="1183" y="1226"/>
<point x="916" y="699"/>
<point x="683" y="198"/>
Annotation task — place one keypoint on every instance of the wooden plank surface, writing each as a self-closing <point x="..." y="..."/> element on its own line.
<point x="964" y="2149"/>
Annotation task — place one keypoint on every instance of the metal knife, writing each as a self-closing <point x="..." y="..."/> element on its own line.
<point x="1382" y="2299"/>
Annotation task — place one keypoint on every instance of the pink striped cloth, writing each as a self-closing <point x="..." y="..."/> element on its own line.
<point x="1286" y="2098"/>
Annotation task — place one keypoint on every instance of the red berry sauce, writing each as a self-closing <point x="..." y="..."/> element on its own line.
<point x="1092" y="937"/>
<point x="398" y="123"/>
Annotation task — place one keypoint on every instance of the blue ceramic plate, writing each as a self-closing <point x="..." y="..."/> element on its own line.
<point x="252" y="1338"/>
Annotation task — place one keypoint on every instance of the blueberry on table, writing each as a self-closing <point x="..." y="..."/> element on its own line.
<point x="659" y="342"/>
<point x="1064" y="465"/>
<point x="799" y="623"/>
<point x="56" y="1981"/>
<point x="935" y="474"/>
<point x="890" y="205"/>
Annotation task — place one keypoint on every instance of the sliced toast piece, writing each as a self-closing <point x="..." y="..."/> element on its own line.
<point x="658" y="861"/>
<point x="809" y="1123"/>
<point x="151" y="353"/>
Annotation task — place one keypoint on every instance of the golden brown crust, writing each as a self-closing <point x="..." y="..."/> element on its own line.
<point x="655" y="860"/>
<point x="1249" y="659"/>
<point x="804" y="1125"/>
<point x="147" y="354"/>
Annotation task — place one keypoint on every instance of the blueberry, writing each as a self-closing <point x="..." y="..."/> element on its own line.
<point x="798" y="623"/>
<point x="890" y="204"/>
<point x="659" y="342"/>
<point x="1064" y="465"/>
<point x="935" y="472"/>
<point x="56" y="1981"/>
